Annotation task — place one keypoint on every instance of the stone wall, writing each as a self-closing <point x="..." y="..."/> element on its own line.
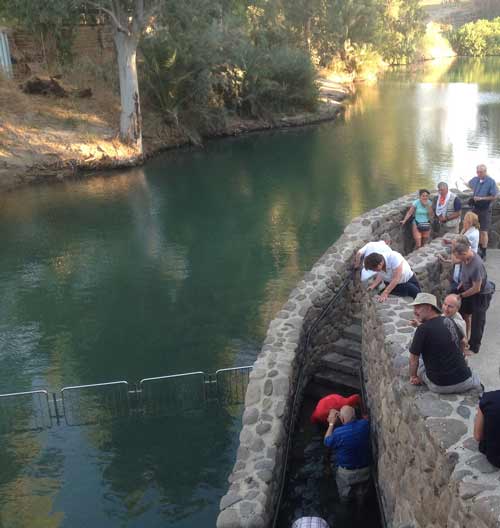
<point x="430" y="472"/>
<point x="254" y="481"/>
<point x="293" y="342"/>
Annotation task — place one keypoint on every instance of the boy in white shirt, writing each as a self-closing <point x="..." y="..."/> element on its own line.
<point x="394" y="270"/>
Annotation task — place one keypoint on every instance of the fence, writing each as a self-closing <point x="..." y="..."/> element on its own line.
<point x="105" y="402"/>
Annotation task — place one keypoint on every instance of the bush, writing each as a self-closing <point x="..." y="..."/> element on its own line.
<point x="277" y="79"/>
<point x="477" y="39"/>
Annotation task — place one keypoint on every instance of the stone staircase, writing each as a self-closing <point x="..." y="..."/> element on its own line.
<point x="338" y="370"/>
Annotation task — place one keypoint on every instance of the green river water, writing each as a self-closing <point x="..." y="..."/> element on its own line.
<point x="179" y="266"/>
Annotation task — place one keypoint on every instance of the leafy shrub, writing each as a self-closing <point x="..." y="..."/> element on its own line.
<point x="477" y="38"/>
<point x="277" y="79"/>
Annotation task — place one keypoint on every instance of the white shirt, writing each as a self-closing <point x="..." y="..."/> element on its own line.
<point x="392" y="261"/>
<point x="375" y="247"/>
<point x="473" y="236"/>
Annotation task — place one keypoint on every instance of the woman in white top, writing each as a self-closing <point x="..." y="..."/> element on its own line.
<point x="471" y="229"/>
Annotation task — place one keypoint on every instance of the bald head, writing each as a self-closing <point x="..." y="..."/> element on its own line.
<point x="451" y="305"/>
<point x="347" y="414"/>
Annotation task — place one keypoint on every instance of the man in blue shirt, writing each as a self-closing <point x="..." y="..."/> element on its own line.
<point x="350" y="438"/>
<point x="484" y="189"/>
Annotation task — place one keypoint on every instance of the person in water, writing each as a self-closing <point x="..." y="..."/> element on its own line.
<point x="350" y="439"/>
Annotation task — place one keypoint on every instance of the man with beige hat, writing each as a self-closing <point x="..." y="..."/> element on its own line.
<point x="436" y="357"/>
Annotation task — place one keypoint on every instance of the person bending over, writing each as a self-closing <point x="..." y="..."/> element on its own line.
<point x="475" y="291"/>
<point x="436" y="358"/>
<point x="350" y="438"/>
<point x="394" y="270"/>
<point x="382" y="246"/>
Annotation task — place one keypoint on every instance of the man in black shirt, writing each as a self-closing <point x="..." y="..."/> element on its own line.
<point x="436" y="358"/>
<point x="487" y="426"/>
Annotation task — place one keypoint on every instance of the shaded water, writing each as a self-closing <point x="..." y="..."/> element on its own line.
<point x="180" y="266"/>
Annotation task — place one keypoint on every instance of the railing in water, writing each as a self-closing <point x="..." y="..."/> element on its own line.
<point x="105" y="402"/>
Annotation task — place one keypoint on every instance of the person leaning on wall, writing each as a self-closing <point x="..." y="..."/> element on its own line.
<point x="475" y="291"/>
<point x="421" y="214"/>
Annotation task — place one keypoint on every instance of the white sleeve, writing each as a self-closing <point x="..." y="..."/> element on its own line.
<point x="362" y="251"/>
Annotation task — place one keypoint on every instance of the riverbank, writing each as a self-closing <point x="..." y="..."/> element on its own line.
<point x="45" y="139"/>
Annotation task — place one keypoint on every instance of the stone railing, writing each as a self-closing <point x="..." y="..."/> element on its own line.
<point x="294" y="341"/>
<point x="430" y="472"/>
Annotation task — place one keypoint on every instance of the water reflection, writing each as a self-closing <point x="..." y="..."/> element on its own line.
<point x="180" y="266"/>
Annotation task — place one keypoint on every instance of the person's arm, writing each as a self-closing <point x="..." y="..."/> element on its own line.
<point x="479" y="425"/>
<point x="332" y="418"/>
<point x="396" y="276"/>
<point x="430" y="211"/>
<point x="475" y="288"/>
<point x="408" y="215"/>
<point x="485" y="198"/>
<point x="414" y="379"/>
<point x="376" y="282"/>
<point x="359" y="255"/>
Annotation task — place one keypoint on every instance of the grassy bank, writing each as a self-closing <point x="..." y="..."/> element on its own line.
<point x="43" y="138"/>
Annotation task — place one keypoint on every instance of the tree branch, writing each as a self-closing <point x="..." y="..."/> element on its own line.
<point x="110" y="13"/>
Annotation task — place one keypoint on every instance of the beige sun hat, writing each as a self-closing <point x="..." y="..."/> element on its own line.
<point x="426" y="298"/>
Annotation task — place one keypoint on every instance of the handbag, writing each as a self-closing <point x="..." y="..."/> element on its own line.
<point x="423" y="226"/>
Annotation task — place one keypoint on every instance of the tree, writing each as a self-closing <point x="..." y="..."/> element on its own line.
<point x="128" y="18"/>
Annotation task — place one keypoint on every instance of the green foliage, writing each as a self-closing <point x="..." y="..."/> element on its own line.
<point x="401" y="30"/>
<point x="204" y="60"/>
<point x="477" y="39"/>
<point x="277" y="79"/>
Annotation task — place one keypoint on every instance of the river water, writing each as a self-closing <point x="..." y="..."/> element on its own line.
<point x="180" y="266"/>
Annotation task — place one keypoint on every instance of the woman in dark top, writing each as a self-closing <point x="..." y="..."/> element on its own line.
<point x="487" y="426"/>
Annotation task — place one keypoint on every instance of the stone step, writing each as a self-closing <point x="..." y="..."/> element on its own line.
<point x="340" y="362"/>
<point x="353" y="332"/>
<point x="334" y="377"/>
<point x="347" y="347"/>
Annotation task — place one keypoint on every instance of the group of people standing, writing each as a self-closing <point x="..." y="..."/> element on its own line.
<point x="442" y="215"/>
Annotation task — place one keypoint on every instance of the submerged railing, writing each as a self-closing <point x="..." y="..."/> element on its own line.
<point x="105" y="402"/>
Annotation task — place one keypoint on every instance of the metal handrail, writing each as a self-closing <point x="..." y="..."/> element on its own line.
<point x="291" y="427"/>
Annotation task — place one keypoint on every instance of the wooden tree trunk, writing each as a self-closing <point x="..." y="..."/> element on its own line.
<point x="130" y="118"/>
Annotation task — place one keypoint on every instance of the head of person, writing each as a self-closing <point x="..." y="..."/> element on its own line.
<point x="374" y="262"/>
<point x="347" y="414"/>
<point x="471" y="220"/>
<point x="462" y="250"/>
<point x="451" y="305"/>
<point x="481" y="171"/>
<point x="442" y="189"/>
<point x="424" y="195"/>
<point x="425" y="307"/>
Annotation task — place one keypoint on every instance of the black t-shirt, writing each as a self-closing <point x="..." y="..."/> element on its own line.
<point x="438" y="342"/>
<point x="490" y="444"/>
